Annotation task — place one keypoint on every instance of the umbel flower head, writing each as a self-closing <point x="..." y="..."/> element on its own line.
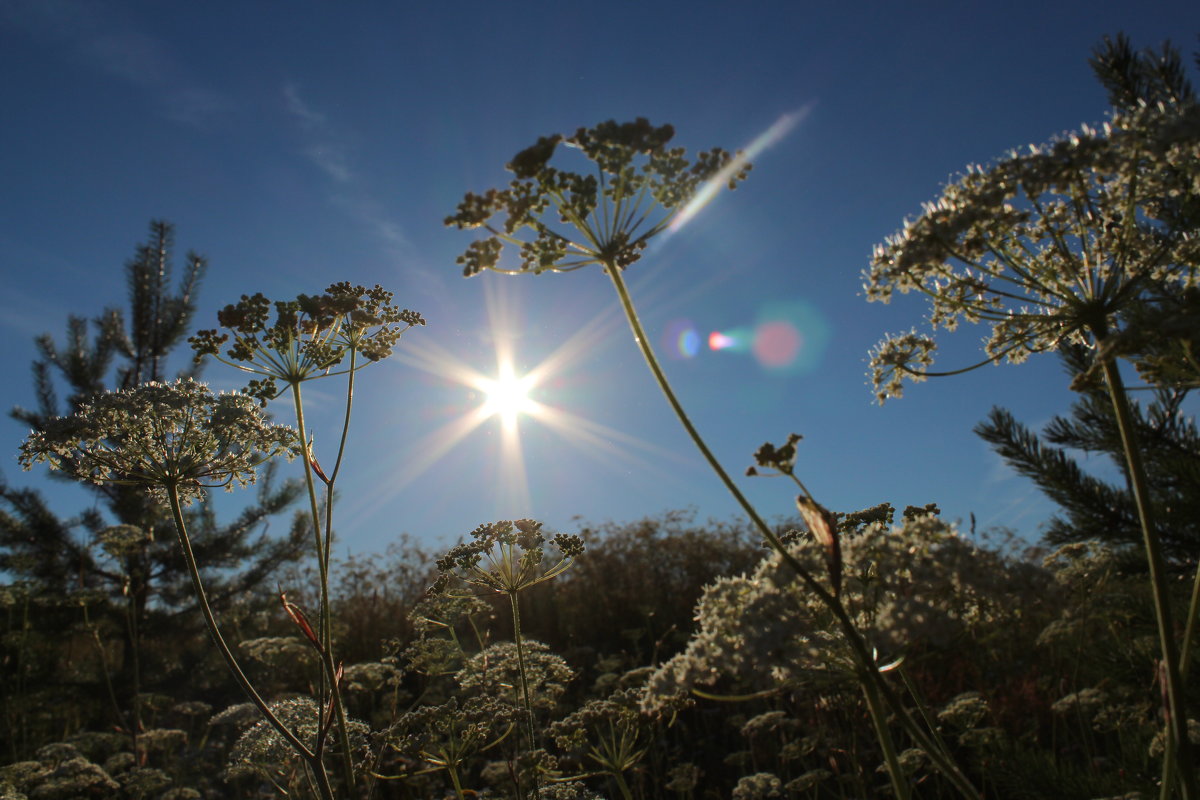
<point x="162" y="435"/>
<point x="911" y="590"/>
<point x="562" y="220"/>
<point x="506" y="557"/>
<point x="309" y="337"/>
<point x="1057" y="244"/>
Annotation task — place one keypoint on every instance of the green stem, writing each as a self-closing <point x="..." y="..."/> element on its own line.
<point x="1176" y="706"/>
<point x="329" y="691"/>
<point x="458" y="789"/>
<point x="312" y="759"/>
<point x="136" y="667"/>
<point x="1189" y="628"/>
<point x="853" y="638"/>
<point x="339" y="706"/>
<point x="922" y="708"/>
<point x="624" y="787"/>
<point x="1185" y="652"/>
<point x="315" y="512"/>
<point x="531" y="732"/>
<point x="879" y="720"/>
<point x="518" y="639"/>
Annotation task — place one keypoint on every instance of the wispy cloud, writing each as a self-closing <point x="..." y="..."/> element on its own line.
<point x="324" y="145"/>
<point x="305" y="113"/>
<point x="330" y="160"/>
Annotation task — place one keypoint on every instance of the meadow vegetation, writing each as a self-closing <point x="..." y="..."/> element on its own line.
<point x="150" y="651"/>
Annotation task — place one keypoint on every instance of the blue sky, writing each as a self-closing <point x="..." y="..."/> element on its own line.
<point x="304" y="143"/>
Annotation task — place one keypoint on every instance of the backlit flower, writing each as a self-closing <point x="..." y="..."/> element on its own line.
<point x="1049" y="246"/>
<point x="162" y="435"/>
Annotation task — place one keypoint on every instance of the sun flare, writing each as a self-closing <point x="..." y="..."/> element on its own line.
<point x="504" y="396"/>
<point x="507" y="395"/>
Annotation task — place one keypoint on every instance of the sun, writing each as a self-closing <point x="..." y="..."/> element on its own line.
<point x="507" y="395"/>
<point x="504" y="395"/>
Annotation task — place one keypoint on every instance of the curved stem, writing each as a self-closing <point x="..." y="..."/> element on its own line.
<point x="846" y="626"/>
<point x="1176" y="707"/>
<point x="308" y="755"/>
<point x="454" y="779"/>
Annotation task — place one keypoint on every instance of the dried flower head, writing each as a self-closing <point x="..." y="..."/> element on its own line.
<point x="309" y="337"/>
<point x="561" y="221"/>
<point x="506" y="557"/>
<point x="1049" y="246"/>
<point x="162" y="435"/>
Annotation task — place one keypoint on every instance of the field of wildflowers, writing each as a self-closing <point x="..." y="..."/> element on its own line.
<point x="874" y="653"/>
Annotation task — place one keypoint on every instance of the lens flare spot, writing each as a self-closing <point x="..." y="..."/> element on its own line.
<point x="774" y="134"/>
<point x="776" y="344"/>
<point x="736" y="340"/>
<point x="681" y="340"/>
<point x="719" y="341"/>
<point x="791" y="337"/>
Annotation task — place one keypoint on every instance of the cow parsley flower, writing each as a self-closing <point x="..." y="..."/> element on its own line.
<point x="162" y="435"/>
<point x="914" y="586"/>
<point x="1048" y="246"/>
<point x="310" y="336"/>
<point x="506" y="557"/>
<point x="562" y="221"/>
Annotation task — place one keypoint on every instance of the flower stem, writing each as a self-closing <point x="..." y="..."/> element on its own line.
<point x="314" y="762"/>
<point x="879" y="719"/>
<point x="621" y="784"/>
<point x="1176" y="708"/>
<point x="870" y="670"/>
<point x="329" y="691"/>
<point x="531" y="733"/>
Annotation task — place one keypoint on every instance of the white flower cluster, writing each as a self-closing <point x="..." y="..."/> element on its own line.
<point x="909" y="587"/>
<point x="496" y="672"/>
<point x="162" y="435"/>
<point x="1049" y="245"/>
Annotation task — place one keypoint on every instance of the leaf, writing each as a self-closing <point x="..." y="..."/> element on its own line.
<point x="301" y="619"/>
<point x="823" y="525"/>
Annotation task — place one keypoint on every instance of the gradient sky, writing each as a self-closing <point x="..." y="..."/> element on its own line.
<point x="298" y="144"/>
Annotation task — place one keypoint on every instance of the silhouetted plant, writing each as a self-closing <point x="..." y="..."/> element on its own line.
<point x="562" y="221"/>
<point x="1065" y="243"/>
<point x="133" y="592"/>
<point x="508" y="558"/>
<point x="311" y="337"/>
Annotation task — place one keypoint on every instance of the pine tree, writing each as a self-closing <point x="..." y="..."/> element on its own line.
<point x="119" y="558"/>
<point x="1096" y="509"/>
